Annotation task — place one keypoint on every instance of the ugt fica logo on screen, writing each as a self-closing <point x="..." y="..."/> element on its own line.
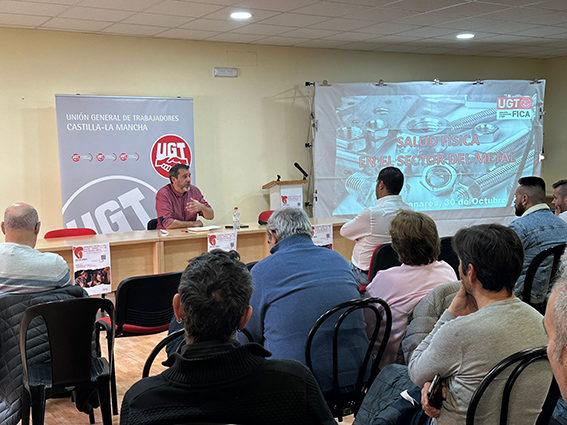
<point x="167" y="151"/>
<point x="510" y="108"/>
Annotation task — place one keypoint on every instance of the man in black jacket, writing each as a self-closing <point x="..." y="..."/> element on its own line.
<point x="214" y="378"/>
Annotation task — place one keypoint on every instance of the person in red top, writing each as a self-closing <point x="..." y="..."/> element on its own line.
<point x="179" y="203"/>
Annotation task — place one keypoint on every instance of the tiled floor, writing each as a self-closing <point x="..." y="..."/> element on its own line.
<point x="130" y="353"/>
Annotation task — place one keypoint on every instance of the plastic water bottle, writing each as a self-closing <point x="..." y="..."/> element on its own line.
<point x="236" y="219"/>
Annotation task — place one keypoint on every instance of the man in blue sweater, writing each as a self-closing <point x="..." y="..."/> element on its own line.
<point x="292" y="288"/>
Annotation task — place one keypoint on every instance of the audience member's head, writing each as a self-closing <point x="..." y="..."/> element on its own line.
<point x="389" y="182"/>
<point x="556" y="327"/>
<point x="213" y="297"/>
<point x="288" y="221"/>
<point x="415" y="238"/>
<point x="530" y="192"/>
<point x="174" y="171"/>
<point x="21" y="224"/>
<point x="560" y="196"/>
<point x="495" y="252"/>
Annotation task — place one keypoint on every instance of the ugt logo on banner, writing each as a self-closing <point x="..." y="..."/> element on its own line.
<point x="510" y="108"/>
<point x="167" y="151"/>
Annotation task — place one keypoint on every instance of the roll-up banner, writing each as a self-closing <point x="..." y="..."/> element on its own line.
<point x="115" y="154"/>
<point x="461" y="145"/>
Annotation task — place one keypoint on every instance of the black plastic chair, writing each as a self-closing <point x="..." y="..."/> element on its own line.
<point x="156" y="350"/>
<point x="343" y="404"/>
<point x="519" y="361"/>
<point x="557" y="252"/>
<point x="152" y="224"/>
<point x="383" y="258"/>
<point x="143" y="306"/>
<point x="70" y="326"/>
<point x="448" y="255"/>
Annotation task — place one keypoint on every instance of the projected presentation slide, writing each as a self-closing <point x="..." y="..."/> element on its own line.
<point x="461" y="146"/>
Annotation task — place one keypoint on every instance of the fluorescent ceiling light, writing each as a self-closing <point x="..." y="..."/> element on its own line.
<point x="240" y="15"/>
<point x="466" y="36"/>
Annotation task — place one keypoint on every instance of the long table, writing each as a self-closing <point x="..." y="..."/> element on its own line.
<point x="149" y="251"/>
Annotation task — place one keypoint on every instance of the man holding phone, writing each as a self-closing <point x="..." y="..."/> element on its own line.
<point x="435" y="394"/>
<point x="484" y="324"/>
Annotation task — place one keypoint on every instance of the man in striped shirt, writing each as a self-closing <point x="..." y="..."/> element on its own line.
<point x="24" y="269"/>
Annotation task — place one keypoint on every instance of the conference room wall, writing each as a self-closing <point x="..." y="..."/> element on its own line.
<point x="555" y="127"/>
<point x="247" y="129"/>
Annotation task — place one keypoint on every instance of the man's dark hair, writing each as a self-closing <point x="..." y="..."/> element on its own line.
<point x="534" y="187"/>
<point x="215" y="290"/>
<point x="174" y="171"/>
<point x="495" y="251"/>
<point x="562" y="184"/>
<point x="393" y="179"/>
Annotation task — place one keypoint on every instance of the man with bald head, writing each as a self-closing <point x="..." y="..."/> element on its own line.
<point x="24" y="269"/>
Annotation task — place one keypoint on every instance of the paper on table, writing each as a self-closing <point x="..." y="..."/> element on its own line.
<point x="203" y="229"/>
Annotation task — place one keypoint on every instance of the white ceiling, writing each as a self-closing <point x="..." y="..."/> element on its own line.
<point x="510" y="28"/>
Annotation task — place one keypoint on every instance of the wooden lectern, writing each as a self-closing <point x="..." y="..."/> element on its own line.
<point x="285" y="193"/>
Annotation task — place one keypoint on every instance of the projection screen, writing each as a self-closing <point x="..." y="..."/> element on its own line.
<point x="461" y="145"/>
